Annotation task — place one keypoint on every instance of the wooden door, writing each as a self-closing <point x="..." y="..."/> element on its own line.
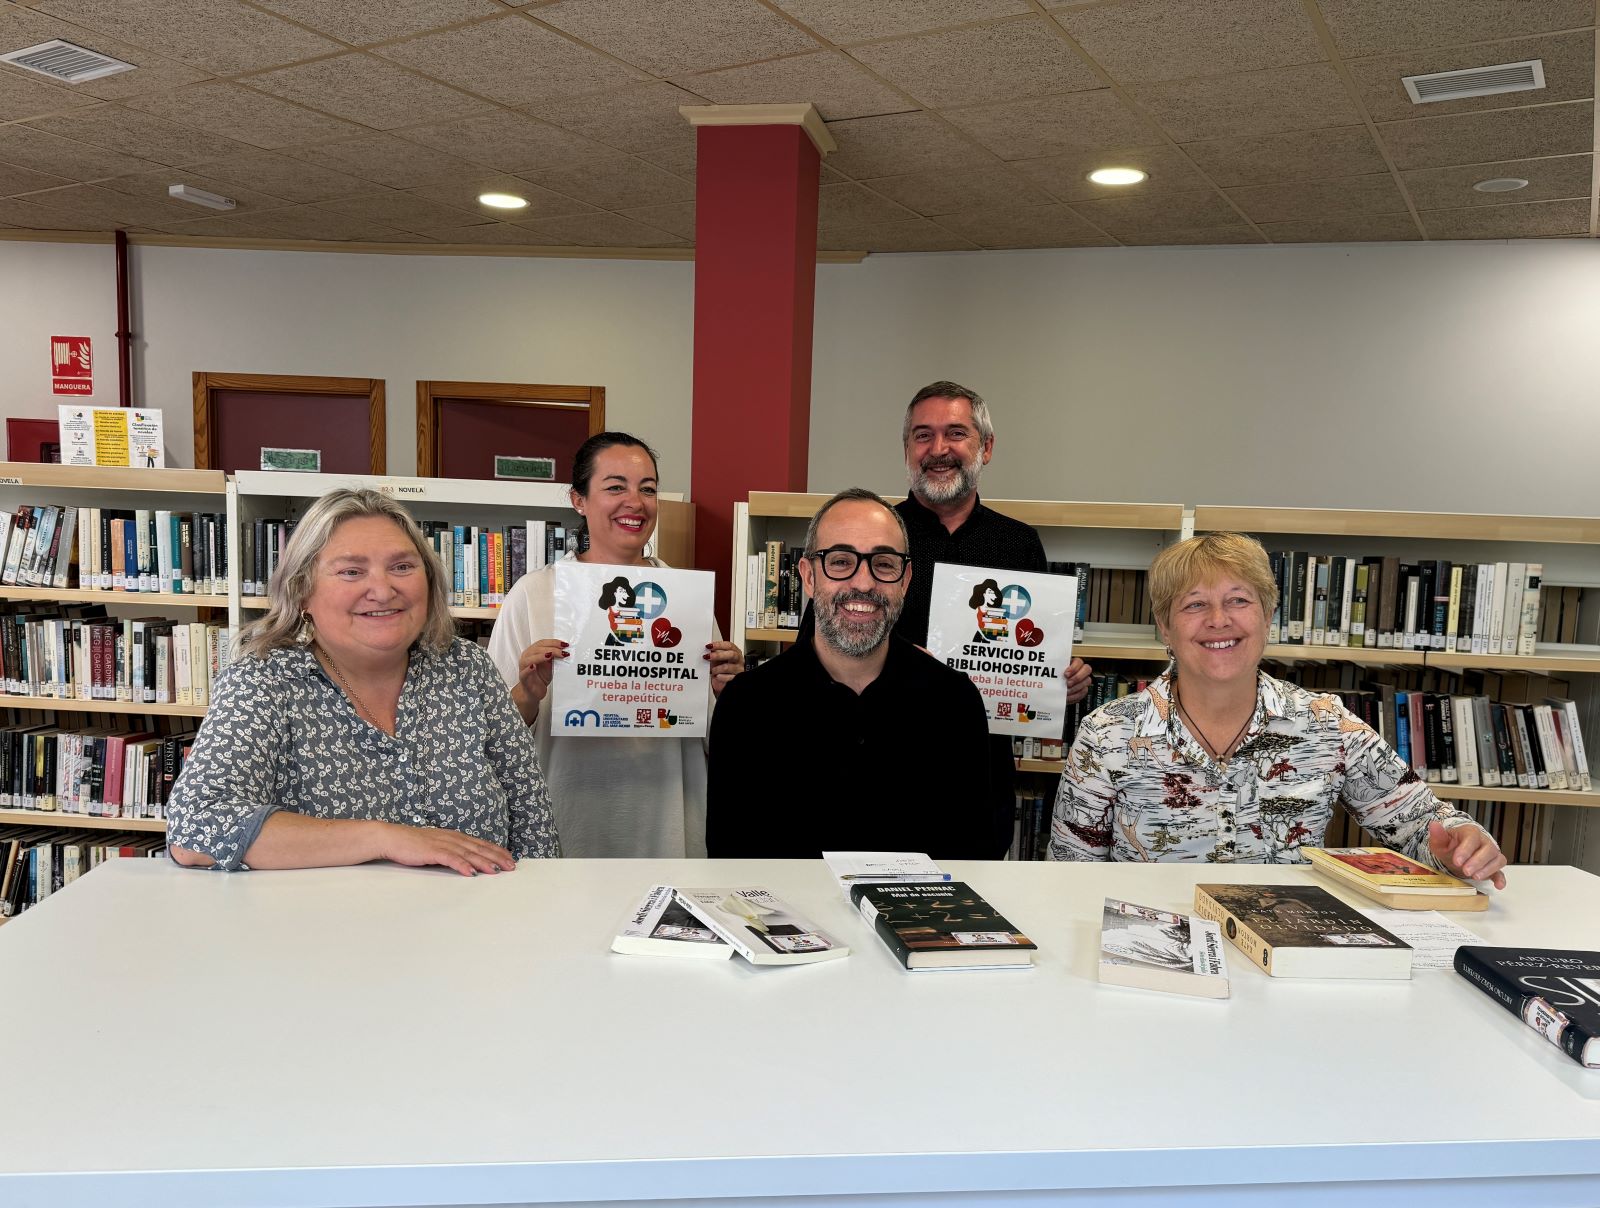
<point x="236" y="415"/>
<point x="463" y="426"/>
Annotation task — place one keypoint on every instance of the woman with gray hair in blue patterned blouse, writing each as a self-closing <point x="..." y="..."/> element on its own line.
<point x="353" y="725"/>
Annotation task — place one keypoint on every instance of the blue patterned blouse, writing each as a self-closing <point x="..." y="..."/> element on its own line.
<point x="1138" y="786"/>
<point x="281" y="736"/>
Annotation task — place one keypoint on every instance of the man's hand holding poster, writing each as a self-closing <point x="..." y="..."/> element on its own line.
<point x="1010" y="633"/>
<point x="637" y="634"/>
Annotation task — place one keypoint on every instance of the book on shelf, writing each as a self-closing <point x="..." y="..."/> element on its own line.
<point x="941" y="925"/>
<point x="34" y="862"/>
<point x="860" y="867"/>
<point x="124" y="770"/>
<point x="1302" y="931"/>
<point x="74" y="652"/>
<point x="1030" y="833"/>
<point x="1555" y="991"/>
<point x="660" y="926"/>
<point x="115" y="549"/>
<point x="1394" y="880"/>
<point x="1152" y="949"/>
<point x="761" y="926"/>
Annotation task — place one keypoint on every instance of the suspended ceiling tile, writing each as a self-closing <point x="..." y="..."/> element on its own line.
<point x="676" y="218"/>
<point x="1477" y="138"/>
<point x="603" y="230"/>
<point x="1297" y="155"/>
<point x="110" y="207"/>
<point x="1380" y="27"/>
<point x="615" y="182"/>
<point x="221" y="36"/>
<point x="24" y="95"/>
<point x="510" y="142"/>
<point x="846" y="21"/>
<point x="1510" y="221"/>
<point x="1568" y="74"/>
<point x="388" y="160"/>
<point x="629" y="119"/>
<point x="294" y="180"/>
<point x="669" y="37"/>
<point x="368" y="91"/>
<point x="847" y="204"/>
<point x="239" y="113"/>
<point x="1004" y="61"/>
<point x="679" y="159"/>
<point x="896" y="143"/>
<point x="314" y="222"/>
<point x="405" y="211"/>
<point x="32" y="216"/>
<point x="21" y="27"/>
<point x="1067" y="176"/>
<point x="918" y="235"/>
<point x="511" y="60"/>
<point x="226" y="226"/>
<point x="1075" y="121"/>
<point x="1190" y="237"/>
<point x="1175" y="39"/>
<point x="142" y="134"/>
<point x="490" y="234"/>
<point x="949" y="192"/>
<point x="1259" y="102"/>
<point x="362" y="22"/>
<point x="1562" y="176"/>
<point x="152" y="186"/>
<point x="14" y="180"/>
<point x="463" y="194"/>
<point x="27" y="147"/>
<point x="1346" y="228"/>
<point x="1159" y="212"/>
<point x="831" y="81"/>
<point x="1031" y="226"/>
<point x="1376" y="194"/>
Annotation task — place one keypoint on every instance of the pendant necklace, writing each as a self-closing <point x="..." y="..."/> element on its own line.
<point x="1220" y="754"/>
<point x="361" y="705"/>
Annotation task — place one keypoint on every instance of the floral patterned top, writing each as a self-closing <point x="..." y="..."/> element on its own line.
<point x="281" y="736"/>
<point x="1139" y="786"/>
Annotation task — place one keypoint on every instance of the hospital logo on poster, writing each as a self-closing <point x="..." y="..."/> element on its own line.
<point x="1002" y="614"/>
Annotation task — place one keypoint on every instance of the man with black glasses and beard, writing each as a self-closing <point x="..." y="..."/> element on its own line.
<point x="853" y="739"/>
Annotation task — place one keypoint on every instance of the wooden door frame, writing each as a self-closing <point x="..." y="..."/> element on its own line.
<point x="502" y="394"/>
<point x="205" y="410"/>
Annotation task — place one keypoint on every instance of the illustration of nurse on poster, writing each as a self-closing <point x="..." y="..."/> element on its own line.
<point x="1010" y="633"/>
<point x="633" y="632"/>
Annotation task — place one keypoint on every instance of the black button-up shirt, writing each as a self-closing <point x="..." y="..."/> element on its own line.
<point x="800" y="764"/>
<point x="986" y="539"/>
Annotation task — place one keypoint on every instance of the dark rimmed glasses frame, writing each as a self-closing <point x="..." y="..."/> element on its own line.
<point x="840" y="562"/>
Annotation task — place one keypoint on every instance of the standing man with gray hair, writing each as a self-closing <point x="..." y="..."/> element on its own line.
<point x="948" y="438"/>
<point x="853" y="739"/>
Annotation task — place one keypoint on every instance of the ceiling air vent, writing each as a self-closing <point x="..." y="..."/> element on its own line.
<point x="66" y="62"/>
<point x="1475" y="81"/>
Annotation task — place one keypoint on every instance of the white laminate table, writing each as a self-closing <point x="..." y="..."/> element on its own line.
<point x="391" y="1036"/>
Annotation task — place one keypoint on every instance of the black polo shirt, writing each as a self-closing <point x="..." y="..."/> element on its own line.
<point x="800" y="764"/>
<point x="986" y="539"/>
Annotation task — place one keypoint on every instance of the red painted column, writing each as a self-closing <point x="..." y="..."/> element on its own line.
<point x="754" y="288"/>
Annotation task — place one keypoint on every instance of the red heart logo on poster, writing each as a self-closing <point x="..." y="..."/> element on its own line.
<point x="664" y="633"/>
<point x="1028" y="634"/>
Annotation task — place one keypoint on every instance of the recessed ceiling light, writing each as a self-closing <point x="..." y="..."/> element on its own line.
<point x="1117" y="176"/>
<point x="503" y="201"/>
<point x="199" y="197"/>
<point x="1501" y="184"/>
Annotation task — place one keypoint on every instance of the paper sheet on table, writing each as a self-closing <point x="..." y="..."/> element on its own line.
<point x="1433" y="937"/>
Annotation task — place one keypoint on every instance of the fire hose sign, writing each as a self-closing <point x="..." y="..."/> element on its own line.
<point x="71" y="365"/>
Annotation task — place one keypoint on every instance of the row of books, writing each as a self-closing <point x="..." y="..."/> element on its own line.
<point x="1030" y="835"/>
<point x="32" y="867"/>
<point x="1472" y="608"/>
<point x="138" y="550"/>
<point x="102" y="772"/>
<point x="773" y="596"/>
<point x="76" y="652"/>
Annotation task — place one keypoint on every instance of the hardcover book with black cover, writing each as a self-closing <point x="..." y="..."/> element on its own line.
<point x="1555" y="991"/>
<point x="941" y="925"/>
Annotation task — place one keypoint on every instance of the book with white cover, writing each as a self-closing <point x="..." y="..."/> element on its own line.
<point x="660" y="926"/>
<point x="865" y="867"/>
<point x="1159" y="950"/>
<point x="762" y="927"/>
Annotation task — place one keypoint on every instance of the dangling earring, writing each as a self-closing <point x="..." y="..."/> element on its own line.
<point x="307" y="633"/>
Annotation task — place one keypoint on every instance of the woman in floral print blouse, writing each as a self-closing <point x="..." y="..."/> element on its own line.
<point x="1218" y="761"/>
<point x="353" y="725"/>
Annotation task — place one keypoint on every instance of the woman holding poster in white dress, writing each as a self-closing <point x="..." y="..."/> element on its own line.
<point x="612" y="796"/>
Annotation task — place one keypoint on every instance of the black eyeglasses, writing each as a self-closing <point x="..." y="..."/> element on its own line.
<point x="840" y="562"/>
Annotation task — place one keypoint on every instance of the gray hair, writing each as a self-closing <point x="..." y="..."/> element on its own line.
<point x="853" y="495"/>
<point x="980" y="409"/>
<point x="291" y="583"/>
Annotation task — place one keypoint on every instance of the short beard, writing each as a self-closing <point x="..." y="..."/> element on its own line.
<point x="855" y="641"/>
<point x="965" y="483"/>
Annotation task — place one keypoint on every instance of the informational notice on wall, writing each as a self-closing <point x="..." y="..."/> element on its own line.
<point x="1010" y="633"/>
<point x="637" y="636"/>
<point x="111" y="436"/>
<point x="71" y="365"/>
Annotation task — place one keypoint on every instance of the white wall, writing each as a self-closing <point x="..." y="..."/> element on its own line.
<point x="1454" y="377"/>
<point x="1435" y="377"/>
<point x="624" y="325"/>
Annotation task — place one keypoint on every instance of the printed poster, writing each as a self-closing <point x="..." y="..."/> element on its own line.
<point x="1010" y="633"/>
<point x="71" y="365"/>
<point x="638" y="639"/>
<point x="111" y="436"/>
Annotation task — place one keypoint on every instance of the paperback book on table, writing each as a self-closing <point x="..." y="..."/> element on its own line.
<point x="1394" y="880"/>
<point x="1555" y="991"/>
<point x="660" y="926"/>
<point x="1303" y="931"/>
<point x="761" y="927"/>
<point x="1154" y="949"/>
<point x="941" y="925"/>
